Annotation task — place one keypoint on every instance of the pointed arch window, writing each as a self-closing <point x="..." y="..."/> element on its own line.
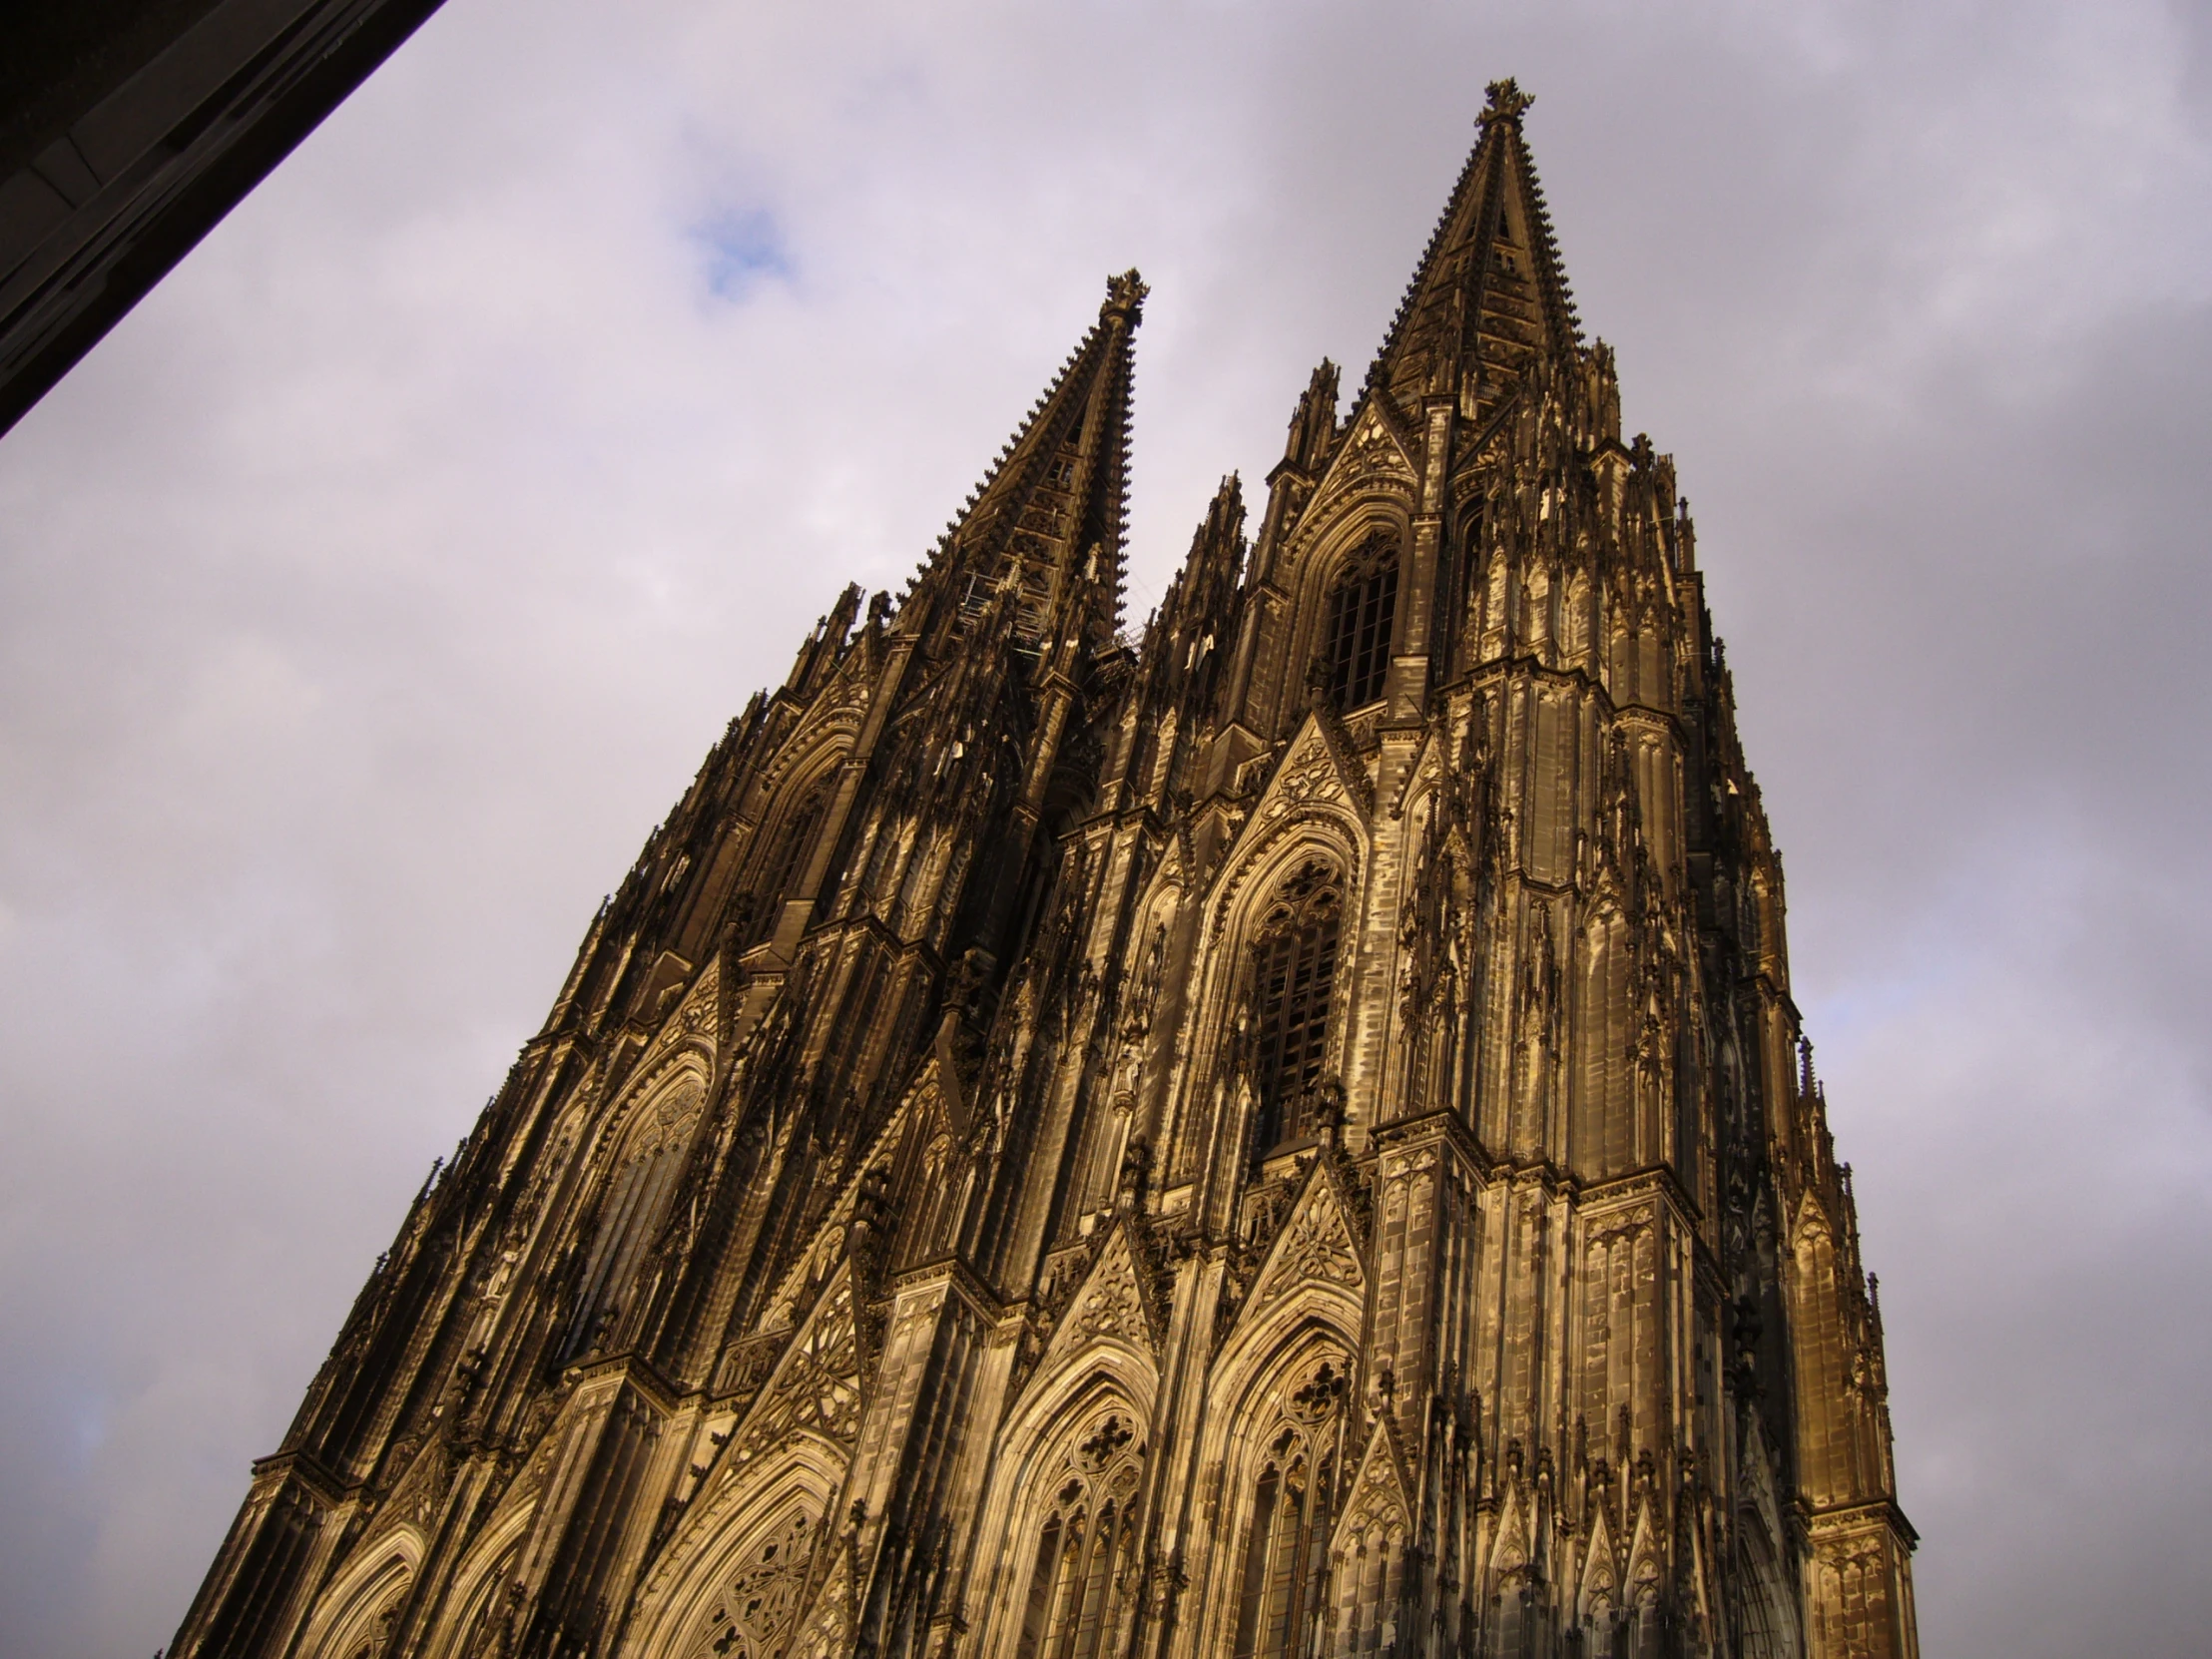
<point x="630" y="1215"/>
<point x="362" y="1627"/>
<point x="1762" y="1608"/>
<point x="1362" y="608"/>
<point x="489" y="1619"/>
<point x="785" y="857"/>
<point x="751" y="1617"/>
<point x="1079" y="1577"/>
<point x="797" y="841"/>
<point x="1285" y="1553"/>
<point x="1294" y="976"/>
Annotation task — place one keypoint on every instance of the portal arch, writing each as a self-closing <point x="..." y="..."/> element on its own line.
<point x="354" y="1618"/>
<point x="1063" y="1520"/>
<point x="1280" y="1456"/>
<point x="643" y="1150"/>
<point x="738" y="1575"/>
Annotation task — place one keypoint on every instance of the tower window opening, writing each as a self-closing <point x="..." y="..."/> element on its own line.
<point x="753" y="1616"/>
<point x="1286" y="1552"/>
<point x="1080" y="1578"/>
<point x="1295" y="969"/>
<point x="791" y="847"/>
<point x="627" y="1222"/>
<point x="1363" y="606"/>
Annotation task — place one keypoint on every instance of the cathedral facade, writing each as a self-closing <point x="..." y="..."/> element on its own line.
<point x="1285" y="1134"/>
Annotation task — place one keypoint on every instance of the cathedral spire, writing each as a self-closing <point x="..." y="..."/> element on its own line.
<point x="1490" y="296"/>
<point x="1048" y="519"/>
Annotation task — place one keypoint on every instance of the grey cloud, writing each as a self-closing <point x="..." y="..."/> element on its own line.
<point x="369" y="593"/>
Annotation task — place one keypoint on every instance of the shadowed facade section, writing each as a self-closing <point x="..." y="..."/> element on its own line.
<point x="1284" y="1135"/>
<point x="129" y="128"/>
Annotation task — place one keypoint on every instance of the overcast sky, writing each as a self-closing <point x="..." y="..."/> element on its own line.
<point x="371" y="590"/>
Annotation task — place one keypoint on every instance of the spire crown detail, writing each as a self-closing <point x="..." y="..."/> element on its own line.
<point x="1046" y="525"/>
<point x="1503" y="101"/>
<point x="1490" y="297"/>
<point x="1125" y="296"/>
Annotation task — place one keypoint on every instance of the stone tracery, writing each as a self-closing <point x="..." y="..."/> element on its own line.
<point x="1081" y="1574"/>
<point x="753" y="1616"/>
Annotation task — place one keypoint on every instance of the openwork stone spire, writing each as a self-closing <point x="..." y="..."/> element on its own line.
<point x="1490" y="296"/>
<point x="1049" y="519"/>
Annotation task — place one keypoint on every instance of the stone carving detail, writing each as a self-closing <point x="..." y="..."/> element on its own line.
<point x="1377" y="1515"/>
<point x="827" y="1630"/>
<point x="1309" y="774"/>
<point x="751" y="1617"/>
<point x="1314" y="1246"/>
<point x="816" y="1387"/>
<point x="1105" y="1442"/>
<point x="1110" y="1301"/>
<point x="1108" y="1309"/>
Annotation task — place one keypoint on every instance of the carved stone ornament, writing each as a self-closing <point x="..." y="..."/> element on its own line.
<point x="1313" y="1247"/>
<point x="1309" y="775"/>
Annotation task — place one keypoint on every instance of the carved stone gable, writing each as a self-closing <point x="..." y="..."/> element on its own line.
<point x="1316" y="1246"/>
<point x="696" y="1019"/>
<point x="1509" y="1556"/>
<point x="416" y="1500"/>
<point x="1430" y="769"/>
<point x="1110" y="1302"/>
<point x="816" y="1384"/>
<point x="1601" y="1568"/>
<point x="1378" y="1512"/>
<point x="1313" y="771"/>
<point x="1375" y="443"/>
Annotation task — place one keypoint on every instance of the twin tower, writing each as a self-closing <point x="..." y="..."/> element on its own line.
<point x="1282" y="1136"/>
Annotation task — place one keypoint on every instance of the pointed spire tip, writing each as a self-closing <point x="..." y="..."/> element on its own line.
<point x="1124" y="298"/>
<point x="1503" y="101"/>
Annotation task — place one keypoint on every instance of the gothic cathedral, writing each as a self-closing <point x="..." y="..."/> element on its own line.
<point x="1284" y="1135"/>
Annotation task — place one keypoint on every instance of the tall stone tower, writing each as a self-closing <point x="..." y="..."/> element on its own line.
<point x="1283" y="1136"/>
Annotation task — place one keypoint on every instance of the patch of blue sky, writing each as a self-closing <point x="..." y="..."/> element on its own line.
<point x="744" y="247"/>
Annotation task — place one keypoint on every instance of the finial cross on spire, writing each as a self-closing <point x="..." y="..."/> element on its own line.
<point x="1506" y="101"/>
<point x="1124" y="295"/>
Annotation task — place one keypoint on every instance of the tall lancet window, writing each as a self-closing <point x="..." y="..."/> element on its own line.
<point x="795" y="840"/>
<point x="1285" y="1547"/>
<point x="1079" y="1576"/>
<point x="784" y="859"/>
<point x="1294" y="970"/>
<point x="1363" y="606"/>
<point x="629" y="1214"/>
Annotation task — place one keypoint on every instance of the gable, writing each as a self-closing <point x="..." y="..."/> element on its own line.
<point x="816" y="1384"/>
<point x="1378" y="1509"/>
<point x="1316" y="1246"/>
<point x="1375" y="443"/>
<point x="1110" y="1303"/>
<point x="1313" y="771"/>
<point x="695" y="1019"/>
